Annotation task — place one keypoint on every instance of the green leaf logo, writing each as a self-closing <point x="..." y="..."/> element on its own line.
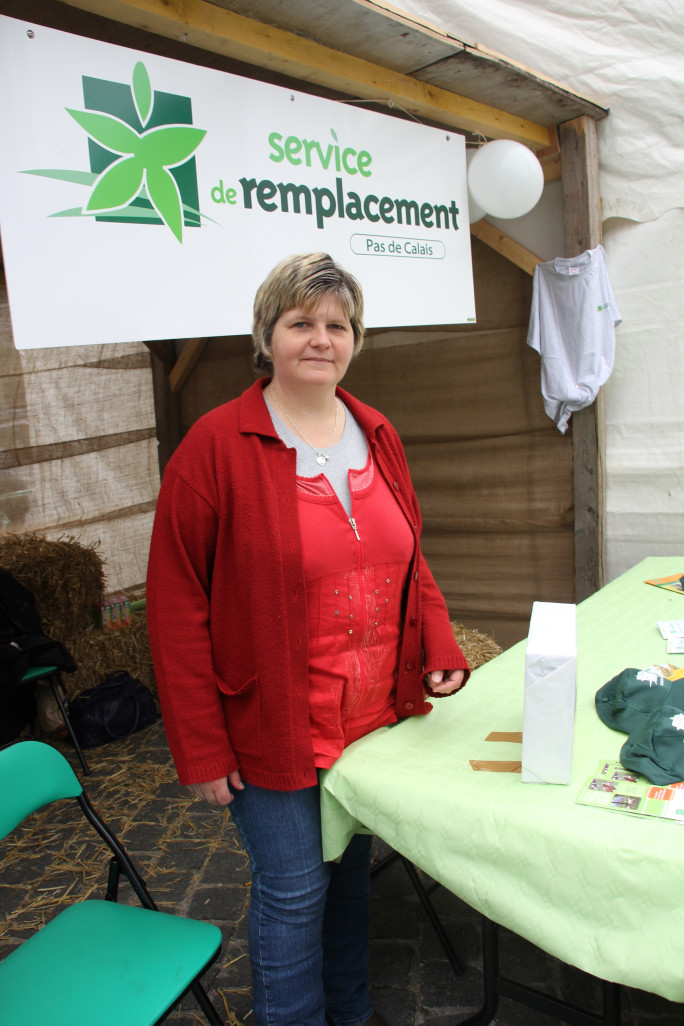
<point x="142" y="92"/>
<point x="145" y="157"/>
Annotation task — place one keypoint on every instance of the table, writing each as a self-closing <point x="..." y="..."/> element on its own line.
<point x="599" y="890"/>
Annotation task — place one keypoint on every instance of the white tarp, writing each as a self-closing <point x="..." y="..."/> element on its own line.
<point x="626" y="56"/>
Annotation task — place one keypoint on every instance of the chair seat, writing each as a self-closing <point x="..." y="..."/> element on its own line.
<point x="105" y="963"/>
<point x="52" y="674"/>
<point x="36" y="672"/>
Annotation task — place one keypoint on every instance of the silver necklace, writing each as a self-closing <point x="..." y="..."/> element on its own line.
<point x="321" y="456"/>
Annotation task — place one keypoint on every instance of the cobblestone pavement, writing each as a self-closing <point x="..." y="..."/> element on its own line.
<point x="193" y="862"/>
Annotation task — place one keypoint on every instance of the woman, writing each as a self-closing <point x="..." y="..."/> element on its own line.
<point x="291" y="612"/>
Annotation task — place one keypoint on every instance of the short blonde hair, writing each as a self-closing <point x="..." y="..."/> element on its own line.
<point x="303" y="281"/>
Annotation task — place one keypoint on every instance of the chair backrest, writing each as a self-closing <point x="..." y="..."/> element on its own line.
<point x="32" y="774"/>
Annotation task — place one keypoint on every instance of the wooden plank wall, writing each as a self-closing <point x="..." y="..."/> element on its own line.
<point x="78" y="450"/>
<point x="494" y="475"/>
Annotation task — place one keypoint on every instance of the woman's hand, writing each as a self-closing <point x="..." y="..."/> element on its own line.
<point x="445" y="682"/>
<point x="217" y="792"/>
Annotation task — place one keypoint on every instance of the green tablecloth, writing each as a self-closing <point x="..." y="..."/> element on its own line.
<point x="597" y="889"/>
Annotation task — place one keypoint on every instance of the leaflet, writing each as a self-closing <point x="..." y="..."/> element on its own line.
<point x="622" y="790"/>
<point x="675" y="582"/>
<point x="670" y="628"/>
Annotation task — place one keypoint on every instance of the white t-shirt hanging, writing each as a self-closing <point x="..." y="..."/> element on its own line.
<point x="572" y="327"/>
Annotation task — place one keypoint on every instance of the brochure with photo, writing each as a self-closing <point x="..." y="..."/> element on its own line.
<point x="618" y="789"/>
<point x="675" y="582"/>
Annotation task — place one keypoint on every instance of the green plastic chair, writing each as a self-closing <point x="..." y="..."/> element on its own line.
<point x="96" y="962"/>
<point x="54" y="678"/>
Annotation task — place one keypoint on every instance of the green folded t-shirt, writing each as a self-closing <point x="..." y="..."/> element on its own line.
<point x="626" y="701"/>
<point x="657" y="749"/>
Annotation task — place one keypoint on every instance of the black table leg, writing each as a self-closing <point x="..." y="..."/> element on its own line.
<point x="496" y="986"/>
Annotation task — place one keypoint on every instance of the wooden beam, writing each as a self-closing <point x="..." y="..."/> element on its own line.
<point x="550" y="159"/>
<point x="551" y="166"/>
<point x="164" y="351"/>
<point x="184" y="365"/>
<point x="213" y="28"/>
<point x="166" y="413"/>
<point x="493" y="237"/>
<point x="582" y="219"/>
<point x="581" y="191"/>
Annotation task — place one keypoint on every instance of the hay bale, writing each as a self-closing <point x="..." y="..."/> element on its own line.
<point x="478" y="648"/>
<point x="97" y="653"/>
<point x="65" y="577"/>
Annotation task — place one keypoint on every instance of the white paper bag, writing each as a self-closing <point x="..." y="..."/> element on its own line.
<point x="549" y="699"/>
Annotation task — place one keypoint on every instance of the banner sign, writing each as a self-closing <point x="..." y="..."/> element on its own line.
<point x="145" y="198"/>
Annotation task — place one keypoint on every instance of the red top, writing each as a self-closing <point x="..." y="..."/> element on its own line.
<point x="355" y="577"/>
<point x="226" y="598"/>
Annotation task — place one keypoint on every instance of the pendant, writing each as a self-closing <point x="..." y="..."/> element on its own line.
<point x="322" y="459"/>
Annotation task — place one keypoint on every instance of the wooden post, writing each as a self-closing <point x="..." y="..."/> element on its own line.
<point x="185" y="364"/>
<point x="166" y="402"/>
<point x="582" y="220"/>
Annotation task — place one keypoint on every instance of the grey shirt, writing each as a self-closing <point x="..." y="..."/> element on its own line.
<point x="572" y="327"/>
<point x="350" y="453"/>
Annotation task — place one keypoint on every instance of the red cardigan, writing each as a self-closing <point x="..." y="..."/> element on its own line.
<point x="226" y="599"/>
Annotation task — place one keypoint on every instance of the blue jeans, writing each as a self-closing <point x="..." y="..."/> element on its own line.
<point x="308" y="919"/>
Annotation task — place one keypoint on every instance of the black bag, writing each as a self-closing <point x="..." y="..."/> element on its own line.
<point x="114" y="709"/>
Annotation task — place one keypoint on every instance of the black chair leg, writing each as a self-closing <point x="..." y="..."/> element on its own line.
<point x="202" y="999"/>
<point x="56" y="685"/>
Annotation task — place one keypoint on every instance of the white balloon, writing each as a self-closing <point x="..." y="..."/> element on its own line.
<point x="475" y="213"/>
<point x="505" y="178"/>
